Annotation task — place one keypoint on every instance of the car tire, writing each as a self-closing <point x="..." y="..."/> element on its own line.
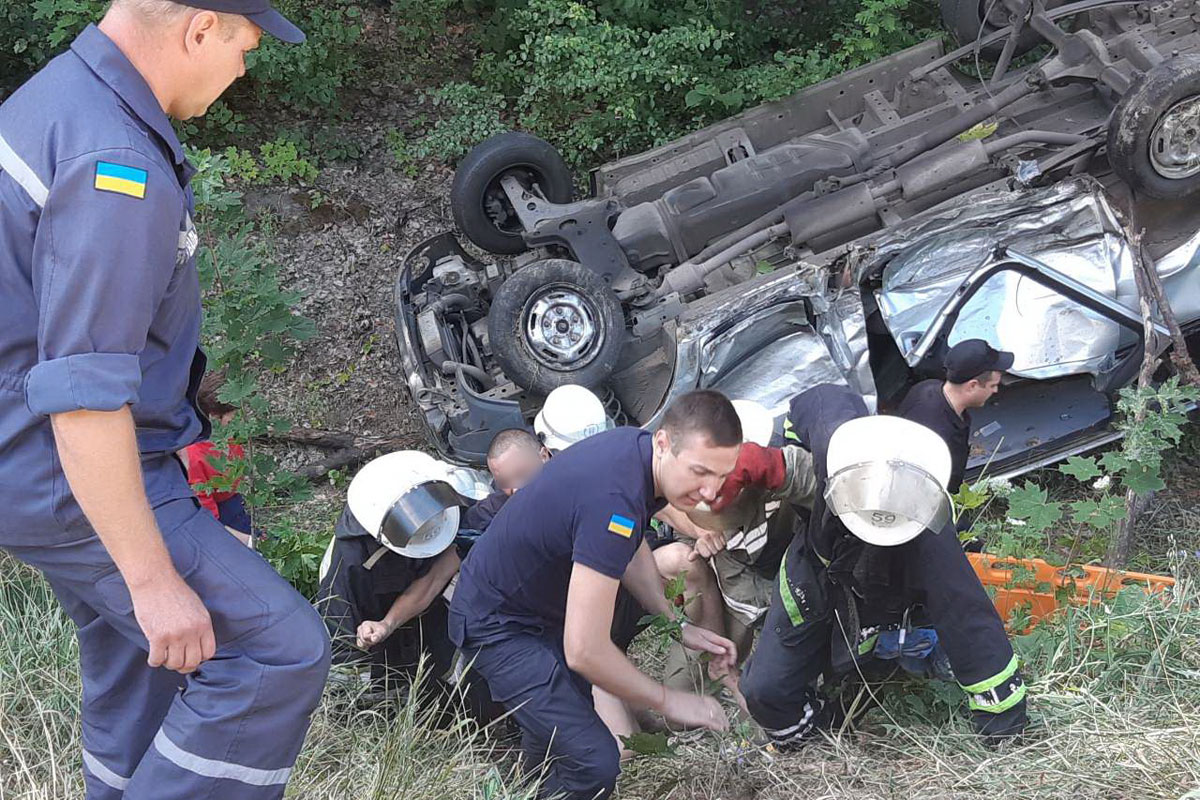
<point x="556" y="322"/>
<point x="477" y="200"/>
<point x="964" y="18"/>
<point x="1160" y="109"/>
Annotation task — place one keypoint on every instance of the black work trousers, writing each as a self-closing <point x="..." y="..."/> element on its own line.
<point x="795" y="648"/>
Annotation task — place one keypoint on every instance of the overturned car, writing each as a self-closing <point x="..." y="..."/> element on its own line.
<point x="850" y="233"/>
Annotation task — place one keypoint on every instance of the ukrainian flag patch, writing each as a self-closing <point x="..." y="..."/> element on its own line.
<point x="121" y="179"/>
<point x="621" y="526"/>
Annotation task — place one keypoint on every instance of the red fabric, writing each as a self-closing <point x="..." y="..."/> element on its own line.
<point x="201" y="470"/>
<point x="756" y="466"/>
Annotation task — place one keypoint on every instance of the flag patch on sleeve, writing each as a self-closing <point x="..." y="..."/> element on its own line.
<point x="121" y="179"/>
<point x="622" y="526"/>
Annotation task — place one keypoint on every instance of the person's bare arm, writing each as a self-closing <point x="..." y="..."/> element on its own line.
<point x="413" y="601"/>
<point x="590" y="651"/>
<point x="707" y="542"/>
<point x="99" y="455"/>
<point x="643" y="581"/>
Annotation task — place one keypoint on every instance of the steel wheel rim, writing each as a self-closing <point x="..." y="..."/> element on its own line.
<point x="1175" y="141"/>
<point x="561" y="328"/>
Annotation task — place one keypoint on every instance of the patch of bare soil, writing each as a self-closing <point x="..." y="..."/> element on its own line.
<point x="342" y="253"/>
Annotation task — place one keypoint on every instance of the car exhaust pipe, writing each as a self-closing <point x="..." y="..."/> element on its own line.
<point x="940" y="134"/>
<point x="810" y="218"/>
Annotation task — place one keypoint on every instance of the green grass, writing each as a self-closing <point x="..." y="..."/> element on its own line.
<point x="402" y="751"/>
<point x="1115" y="698"/>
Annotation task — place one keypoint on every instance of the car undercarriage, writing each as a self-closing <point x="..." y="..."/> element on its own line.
<point x="850" y="233"/>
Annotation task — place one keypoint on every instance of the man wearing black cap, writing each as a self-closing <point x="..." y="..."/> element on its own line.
<point x="973" y="370"/>
<point x="200" y="665"/>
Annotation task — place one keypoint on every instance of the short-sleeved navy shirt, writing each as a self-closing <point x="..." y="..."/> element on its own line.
<point x="99" y="296"/>
<point x="926" y="404"/>
<point x="591" y="504"/>
<point x="480" y="515"/>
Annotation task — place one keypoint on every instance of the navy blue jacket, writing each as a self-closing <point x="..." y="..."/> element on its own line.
<point x="99" y="296"/>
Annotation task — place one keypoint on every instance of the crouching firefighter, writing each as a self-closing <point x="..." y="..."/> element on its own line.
<point x="878" y="555"/>
<point x="393" y="553"/>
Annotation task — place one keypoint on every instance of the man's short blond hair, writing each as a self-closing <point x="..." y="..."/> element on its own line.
<point x="163" y="12"/>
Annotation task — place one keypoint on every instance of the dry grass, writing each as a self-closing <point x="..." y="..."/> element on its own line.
<point x="1115" y="698"/>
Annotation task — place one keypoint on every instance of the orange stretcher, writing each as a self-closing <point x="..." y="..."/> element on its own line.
<point x="1042" y="587"/>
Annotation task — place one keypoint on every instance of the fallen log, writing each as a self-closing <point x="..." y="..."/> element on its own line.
<point x="348" y="450"/>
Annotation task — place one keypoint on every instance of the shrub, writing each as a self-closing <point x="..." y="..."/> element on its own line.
<point x="469" y="115"/>
<point x="310" y="76"/>
<point x="250" y="326"/>
<point x="613" y="77"/>
<point x="33" y="32"/>
<point x="306" y="77"/>
<point x="1026" y="521"/>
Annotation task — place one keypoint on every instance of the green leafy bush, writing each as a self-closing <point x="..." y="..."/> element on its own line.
<point x="469" y="114"/>
<point x="1035" y="524"/>
<point x="309" y="76"/>
<point x="415" y="22"/>
<point x="250" y="327"/>
<point x="32" y="32"/>
<point x="306" y="77"/>
<point x="592" y="86"/>
<point x="296" y="553"/>
<point x="607" y="78"/>
<point x="285" y="159"/>
<point x="219" y="122"/>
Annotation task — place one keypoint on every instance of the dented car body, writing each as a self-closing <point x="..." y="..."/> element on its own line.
<point x="848" y="234"/>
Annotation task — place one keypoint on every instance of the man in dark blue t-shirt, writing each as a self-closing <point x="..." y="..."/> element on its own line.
<point x="973" y="371"/>
<point x="535" y="597"/>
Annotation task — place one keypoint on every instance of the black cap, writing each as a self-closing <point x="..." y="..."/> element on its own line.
<point x="257" y="11"/>
<point x="973" y="357"/>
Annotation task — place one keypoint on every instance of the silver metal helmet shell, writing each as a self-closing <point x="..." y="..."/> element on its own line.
<point x="887" y="479"/>
<point x="411" y="502"/>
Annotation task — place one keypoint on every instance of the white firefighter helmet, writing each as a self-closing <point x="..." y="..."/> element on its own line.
<point x="410" y="502"/>
<point x="887" y="479"/>
<point x="570" y="414"/>
<point x="757" y="422"/>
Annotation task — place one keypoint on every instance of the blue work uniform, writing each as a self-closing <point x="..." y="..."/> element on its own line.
<point x="926" y="404"/>
<point x="590" y="505"/>
<point x="101" y="310"/>
<point x="628" y="614"/>
<point x="480" y="515"/>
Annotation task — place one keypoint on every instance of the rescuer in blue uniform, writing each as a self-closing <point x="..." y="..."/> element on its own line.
<point x="200" y="665"/>
<point x="535" y="596"/>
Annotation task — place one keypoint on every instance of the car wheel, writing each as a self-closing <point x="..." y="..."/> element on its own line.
<point x="964" y="19"/>
<point x="480" y="206"/>
<point x="556" y="322"/>
<point x="1154" y="133"/>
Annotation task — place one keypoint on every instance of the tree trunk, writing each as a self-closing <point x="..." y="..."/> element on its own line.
<point x="1122" y="543"/>
<point x="1180" y="356"/>
<point x="347" y="449"/>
